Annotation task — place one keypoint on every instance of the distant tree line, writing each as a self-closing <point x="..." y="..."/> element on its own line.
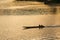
<point x="30" y="0"/>
<point x="50" y="1"/>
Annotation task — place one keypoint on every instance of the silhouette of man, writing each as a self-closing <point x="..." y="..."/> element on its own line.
<point x="41" y="26"/>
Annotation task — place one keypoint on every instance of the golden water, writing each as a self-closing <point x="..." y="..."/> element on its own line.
<point x="11" y="27"/>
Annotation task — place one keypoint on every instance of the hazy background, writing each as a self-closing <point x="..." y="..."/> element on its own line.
<point x="11" y="26"/>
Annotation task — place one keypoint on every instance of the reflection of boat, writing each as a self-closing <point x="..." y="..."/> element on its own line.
<point x="40" y="26"/>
